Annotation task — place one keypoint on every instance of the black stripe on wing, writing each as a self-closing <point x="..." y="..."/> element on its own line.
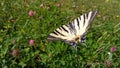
<point x="71" y="26"/>
<point x="92" y="16"/>
<point x="64" y="28"/>
<point x="84" y="20"/>
<point x="55" y="33"/>
<point x="58" y="33"/>
<point x="86" y="15"/>
<point x="78" y="23"/>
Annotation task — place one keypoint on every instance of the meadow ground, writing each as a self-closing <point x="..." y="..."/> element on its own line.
<point x="25" y="25"/>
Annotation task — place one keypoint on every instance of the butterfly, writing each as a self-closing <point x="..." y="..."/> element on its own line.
<point x="75" y="31"/>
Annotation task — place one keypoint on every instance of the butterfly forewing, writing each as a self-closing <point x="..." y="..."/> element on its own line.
<point x="62" y="33"/>
<point x="77" y="27"/>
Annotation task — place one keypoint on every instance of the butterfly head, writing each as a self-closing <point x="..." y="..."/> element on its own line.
<point x="77" y="40"/>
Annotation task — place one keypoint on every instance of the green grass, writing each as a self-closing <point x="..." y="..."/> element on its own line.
<point x="17" y="28"/>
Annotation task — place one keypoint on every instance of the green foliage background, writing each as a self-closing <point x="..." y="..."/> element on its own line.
<point x="17" y="28"/>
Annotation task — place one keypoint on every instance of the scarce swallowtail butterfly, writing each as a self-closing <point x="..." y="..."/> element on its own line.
<point x="75" y="31"/>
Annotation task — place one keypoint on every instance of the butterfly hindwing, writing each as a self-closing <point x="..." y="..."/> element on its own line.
<point x="78" y="27"/>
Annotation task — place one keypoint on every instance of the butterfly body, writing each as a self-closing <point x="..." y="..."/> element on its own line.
<point x="76" y="38"/>
<point x="75" y="31"/>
